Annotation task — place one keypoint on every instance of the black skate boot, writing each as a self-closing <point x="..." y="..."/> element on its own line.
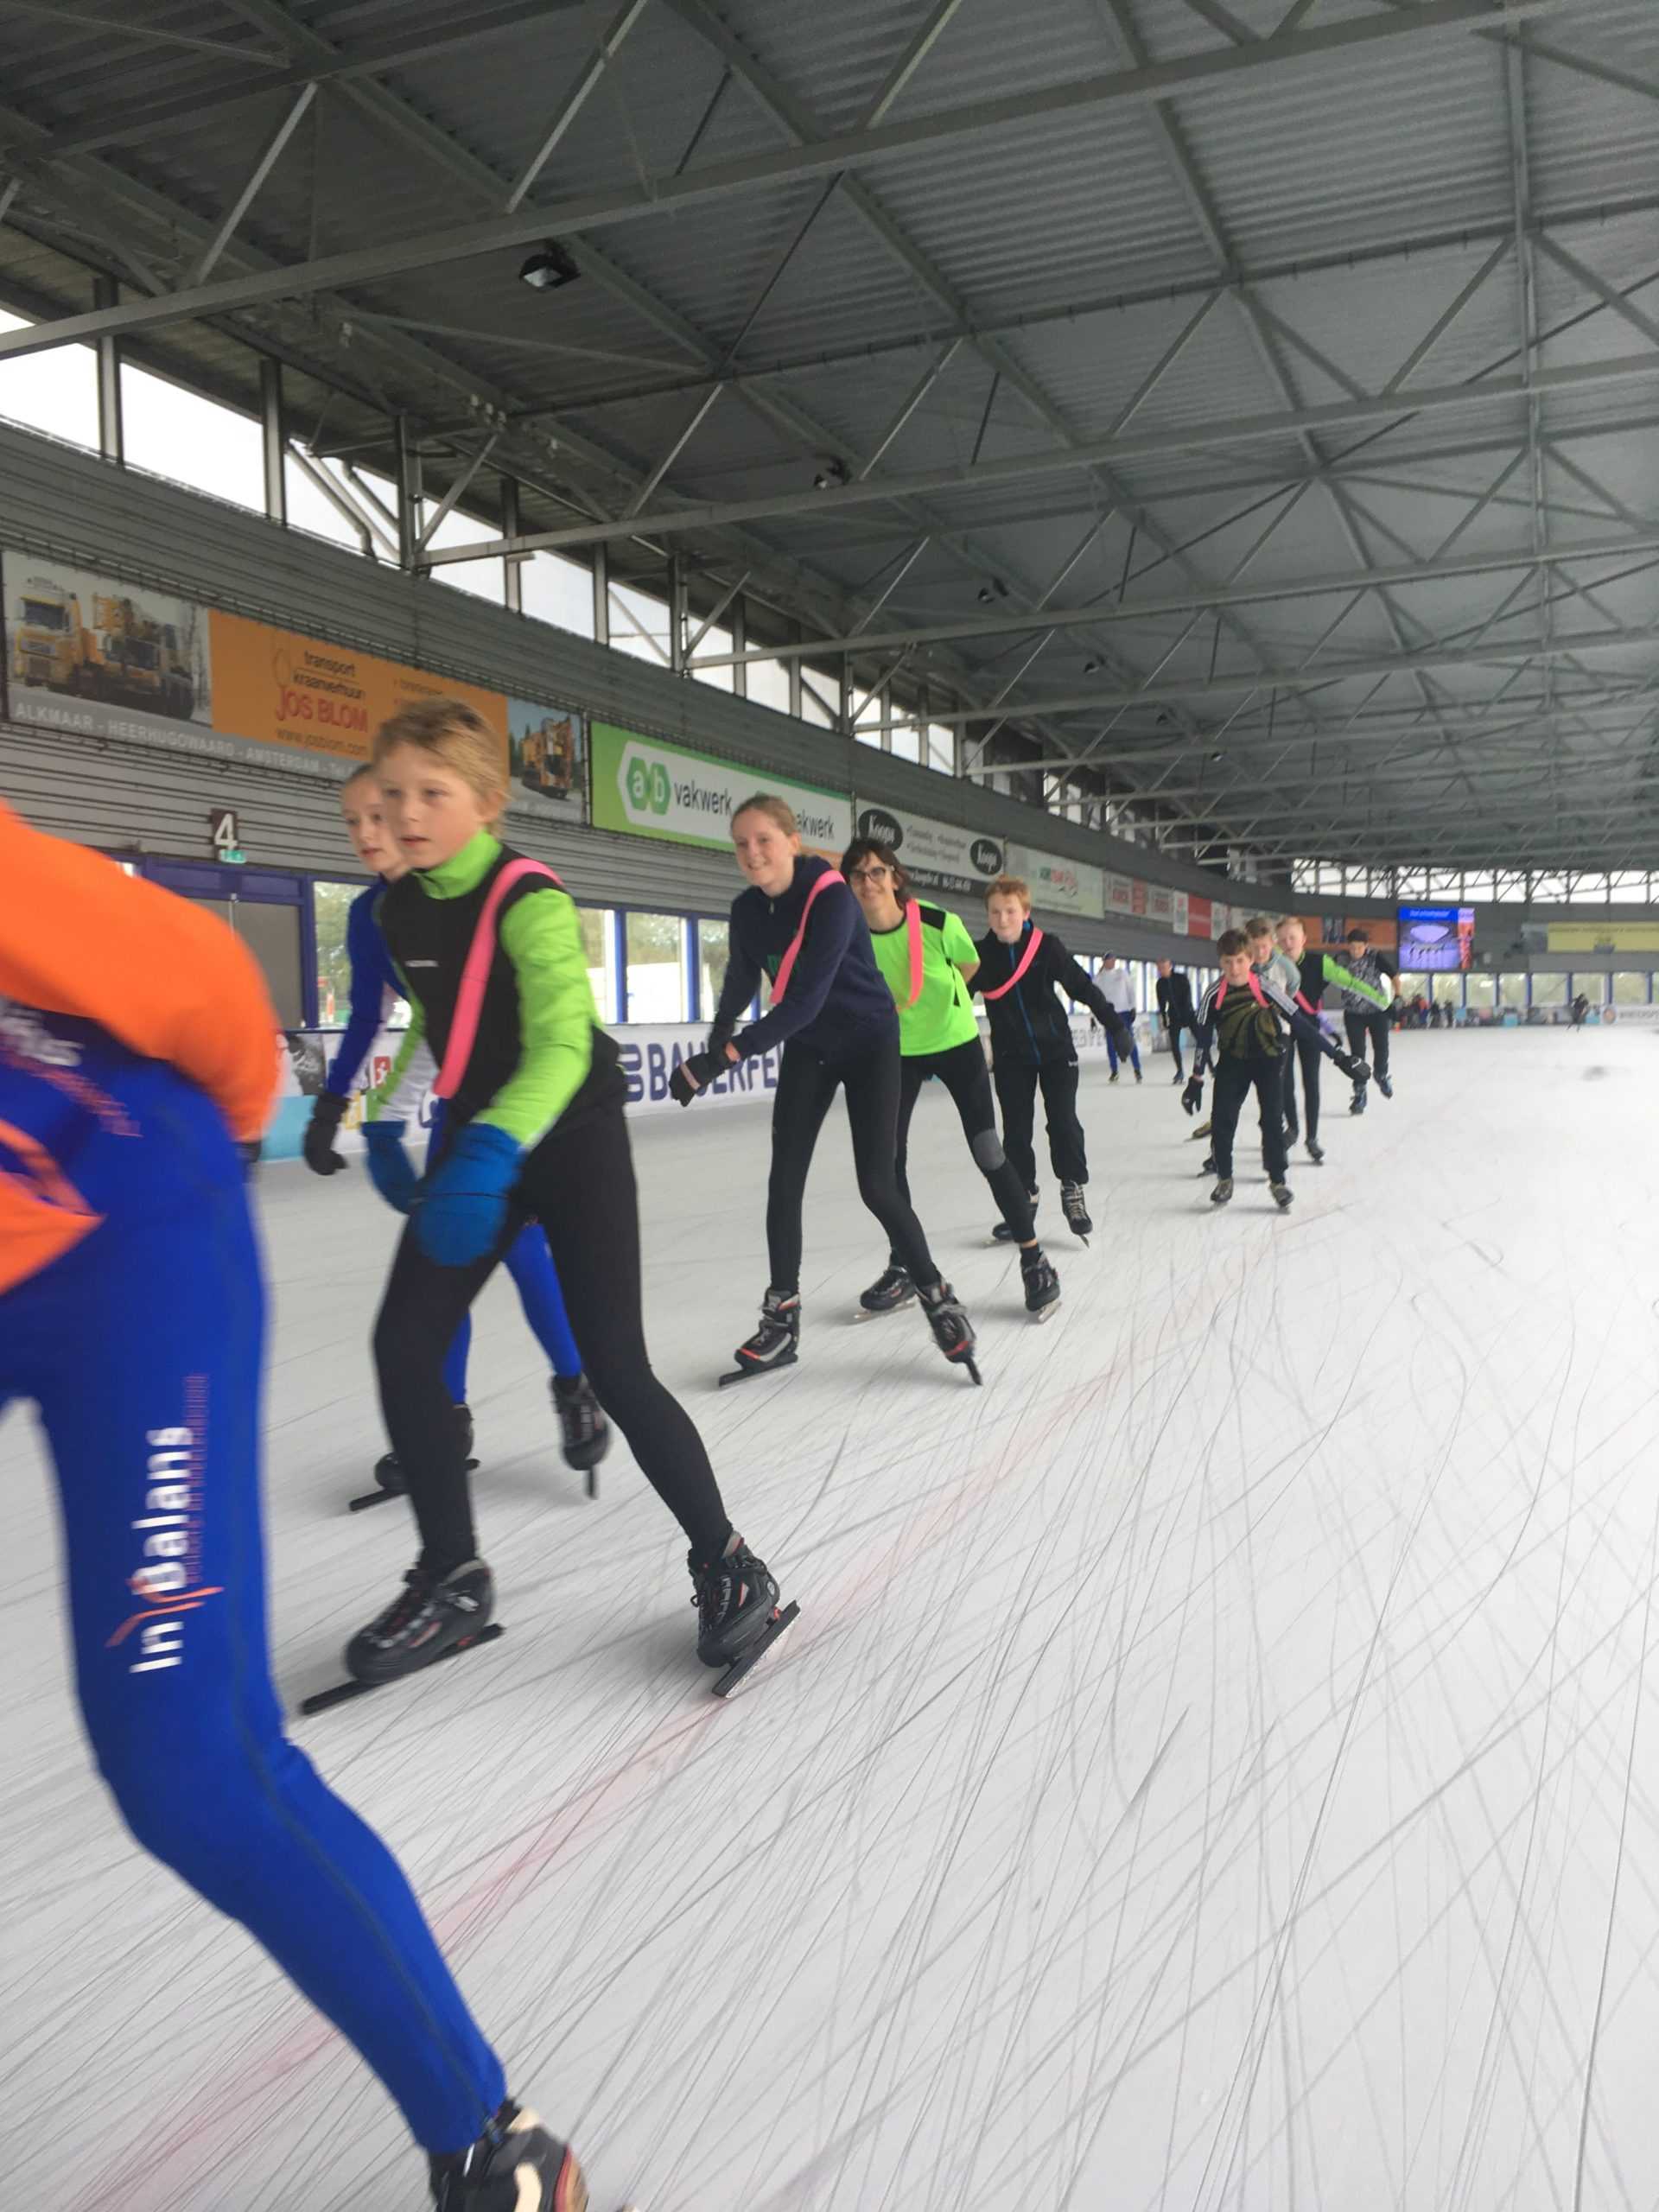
<point x="953" y="1331"/>
<point x="1002" y="1234"/>
<point x="1137" y="1075"/>
<point x="1113" y="1076"/>
<point x="738" y="1617"/>
<point x="1222" y="1191"/>
<point x="1075" y="1207"/>
<point x="1208" y="1166"/>
<point x="389" y="1472"/>
<point x="890" y="1290"/>
<point x="435" y="1615"/>
<point x="1283" y="1197"/>
<point x="1316" y="1152"/>
<point x="1356" y="1105"/>
<point x="1385" y="1084"/>
<point x="1042" y="1285"/>
<point x="585" y="1433"/>
<point x="517" y="2166"/>
<point x="775" y="1344"/>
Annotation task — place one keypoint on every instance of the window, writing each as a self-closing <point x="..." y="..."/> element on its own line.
<point x="906" y="741"/>
<point x="598" y="948"/>
<point x="817" y="691"/>
<point x="55" y="391"/>
<point x="1629" y="886"/>
<point x="716" y="641"/>
<point x="1512" y="990"/>
<point x="1593" y="987"/>
<point x="768" y="684"/>
<point x="1477" y="886"/>
<point x="1548" y="990"/>
<point x="1629" y="988"/>
<point x="1479" y="990"/>
<point x="639" y="625"/>
<point x="1546" y="887"/>
<point x="192" y="441"/>
<point x="941" y="748"/>
<point x="656" y="969"/>
<point x="714" y="951"/>
<point x="557" y="590"/>
<point x="1448" y="990"/>
<point x="330" y="905"/>
<point x="482" y="579"/>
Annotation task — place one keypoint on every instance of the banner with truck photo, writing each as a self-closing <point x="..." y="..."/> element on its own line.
<point x="645" y="787"/>
<point x="105" y="658"/>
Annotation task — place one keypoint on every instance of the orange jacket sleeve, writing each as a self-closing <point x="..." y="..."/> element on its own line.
<point x="78" y="935"/>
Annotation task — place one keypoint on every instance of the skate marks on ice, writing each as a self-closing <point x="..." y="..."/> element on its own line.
<point x="1177" y="1792"/>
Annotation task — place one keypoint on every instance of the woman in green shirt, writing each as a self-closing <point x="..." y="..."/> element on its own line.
<point x="928" y="959"/>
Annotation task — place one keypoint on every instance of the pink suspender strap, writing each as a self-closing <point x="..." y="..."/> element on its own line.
<point x="786" y="966"/>
<point x="1029" y="955"/>
<point x="476" y="975"/>
<point x="913" y="931"/>
<point x="1256" y="992"/>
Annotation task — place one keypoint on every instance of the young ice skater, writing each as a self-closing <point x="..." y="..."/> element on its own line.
<point x="1021" y="967"/>
<point x="1117" y="986"/>
<point x="1366" y="997"/>
<point x="834" y="1016"/>
<point x="374" y="984"/>
<point x="1175" y="1010"/>
<point x="928" y="961"/>
<point x="489" y="951"/>
<point x="1243" y="1023"/>
<point x="138" y="1054"/>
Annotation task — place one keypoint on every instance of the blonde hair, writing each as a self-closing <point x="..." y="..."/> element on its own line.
<point x="1258" y="925"/>
<point x="777" y="810"/>
<point x="1009" y="886"/>
<point x="455" y="734"/>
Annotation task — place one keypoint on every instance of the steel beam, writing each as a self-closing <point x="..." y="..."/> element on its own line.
<point x="853" y="149"/>
<point x="270" y="156"/>
<point x="605" y="50"/>
<point x="273" y="438"/>
<point x="61" y="12"/>
<point x="112" y="437"/>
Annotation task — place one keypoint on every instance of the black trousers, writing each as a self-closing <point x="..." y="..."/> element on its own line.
<point x="1374" y="1024"/>
<point x="1308" y="1053"/>
<point x="1235" y="1080"/>
<point x="1172" y="1030"/>
<point x="579" y="1184"/>
<point x="965" y="1075"/>
<point x="806" y="1085"/>
<point x="1016" y="1094"/>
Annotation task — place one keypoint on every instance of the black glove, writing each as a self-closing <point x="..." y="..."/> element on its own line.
<point x="1193" y="1096"/>
<point x="695" y="1073"/>
<point x="1356" y="1070"/>
<point x="320" y="1132"/>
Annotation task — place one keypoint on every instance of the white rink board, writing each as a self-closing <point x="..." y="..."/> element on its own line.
<point x="1212" y="1765"/>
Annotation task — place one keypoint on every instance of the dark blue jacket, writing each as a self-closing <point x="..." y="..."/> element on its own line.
<point x="838" y="1003"/>
<point x="373" y="977"/>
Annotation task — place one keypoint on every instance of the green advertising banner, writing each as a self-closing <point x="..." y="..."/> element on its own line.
<point x="648" y="788"/>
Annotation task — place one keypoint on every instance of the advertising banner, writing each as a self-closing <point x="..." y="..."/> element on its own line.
<point x="939" y="856"/>
<point x="1199" y="911"/>
<point x="88" y="652"/>
<point x="645" y="787"/>
<point x="1062" y="886"/>
<point x="1119" y="894"/>
<point x="1597" y="937"/>
<point x="1180" y="914"/>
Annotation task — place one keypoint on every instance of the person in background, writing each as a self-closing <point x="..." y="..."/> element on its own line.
<point x="1117" y="989"/>
<point x="1175" y="1009"/>
<point x="135" y="1074"/>
<point x="375" y="986"/>
<point x="1266" y="959"/>
<point x="1367" y="996"/>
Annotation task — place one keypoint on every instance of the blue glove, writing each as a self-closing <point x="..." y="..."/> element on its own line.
<point x="463" y="1209"/>
<point x="390" y="1167"/>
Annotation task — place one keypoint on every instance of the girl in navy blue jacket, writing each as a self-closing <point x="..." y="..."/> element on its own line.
<point x="584" y="1430"/>
<point x="832" y="1013"/>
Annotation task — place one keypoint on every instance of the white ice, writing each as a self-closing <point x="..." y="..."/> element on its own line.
<point x="1214" y="1766"/>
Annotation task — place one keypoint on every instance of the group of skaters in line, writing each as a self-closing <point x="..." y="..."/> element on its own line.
<point x="137" y="1059"/>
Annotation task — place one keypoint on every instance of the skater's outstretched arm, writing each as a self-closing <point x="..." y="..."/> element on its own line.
<point x="163" y="977"/>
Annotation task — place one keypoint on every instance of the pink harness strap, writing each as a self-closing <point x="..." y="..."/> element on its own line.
<point x="1029" y="955"/>
<point x="476" y="975"/>
<point x="1256" y="993"/>
<point x="786" y="966"/>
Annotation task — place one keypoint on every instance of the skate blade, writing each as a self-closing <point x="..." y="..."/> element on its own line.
<point x="343" y="1693"/>
<point x="775" y="1634"/>
<point x="972" y="1367"/>
<point x="881" y="1313"/>
<point x="1044" y="1314"/>
<point x="379" y="1496"/>
<point x="753" y="1374"/>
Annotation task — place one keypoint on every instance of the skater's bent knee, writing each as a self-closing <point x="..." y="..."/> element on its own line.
<point x="986" y="1148"/>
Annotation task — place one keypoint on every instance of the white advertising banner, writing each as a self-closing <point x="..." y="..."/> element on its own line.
<point x="1119" y="894"/>
<point x="939" y="855"/>
<point x="1062" y="886"/>
<point x="1180" y="915"/>
<point x="1160" y="903"/>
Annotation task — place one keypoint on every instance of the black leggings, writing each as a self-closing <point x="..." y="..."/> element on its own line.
<point x="579" y="1183"/>
<point x="1017" y="1082"/>
<point x="1235" y="1080"/>
<point x="963" y="1072"/>
<point x="1374" y="1024"/>
<point x="805" y="1086"/>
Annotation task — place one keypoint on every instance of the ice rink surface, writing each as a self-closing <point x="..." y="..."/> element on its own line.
<point x="1216" y="1766"/>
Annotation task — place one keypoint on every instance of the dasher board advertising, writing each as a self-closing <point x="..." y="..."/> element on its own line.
<point x="939" y="855"/>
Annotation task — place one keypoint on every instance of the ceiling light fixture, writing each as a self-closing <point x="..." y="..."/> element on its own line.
<point x="548" y="268"/>
<point x="831" y="474"/>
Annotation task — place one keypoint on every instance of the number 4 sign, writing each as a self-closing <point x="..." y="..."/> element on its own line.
<point x="225" y="834"/>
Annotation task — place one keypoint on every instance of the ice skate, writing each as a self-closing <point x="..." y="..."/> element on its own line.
<point x="1203" y="1130"/>
<point x="434" y="1619"/>
<point x="515" y="2166"/>
<point x="1002" y="1234"/>
<point x="1137" y="1075"/>
<point x="890" y="1290"/>
<point x="775" y="1344"/>
<point x="1113" y="1076"/>
<point x="739" y="1622"/>
<point x="1283" y="1197"/>
<point x="1209" y="1166"/>
<point x="1042" y="1285"/>
<point x="1316" y="1152"/>
<point x="389" y="1473"/>
<point x="1357" y="1104"/>
<point x="1222" y="1191"/>
<point x="1385" y="1084"/>
<point x="585" y="1433"/>
<point x="1177" y="1076"/>
<point x="1075" y="1208"/>
<point x="953" y="1331"/>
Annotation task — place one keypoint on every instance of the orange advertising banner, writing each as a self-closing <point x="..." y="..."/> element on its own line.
<point x="284" y="688"/>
